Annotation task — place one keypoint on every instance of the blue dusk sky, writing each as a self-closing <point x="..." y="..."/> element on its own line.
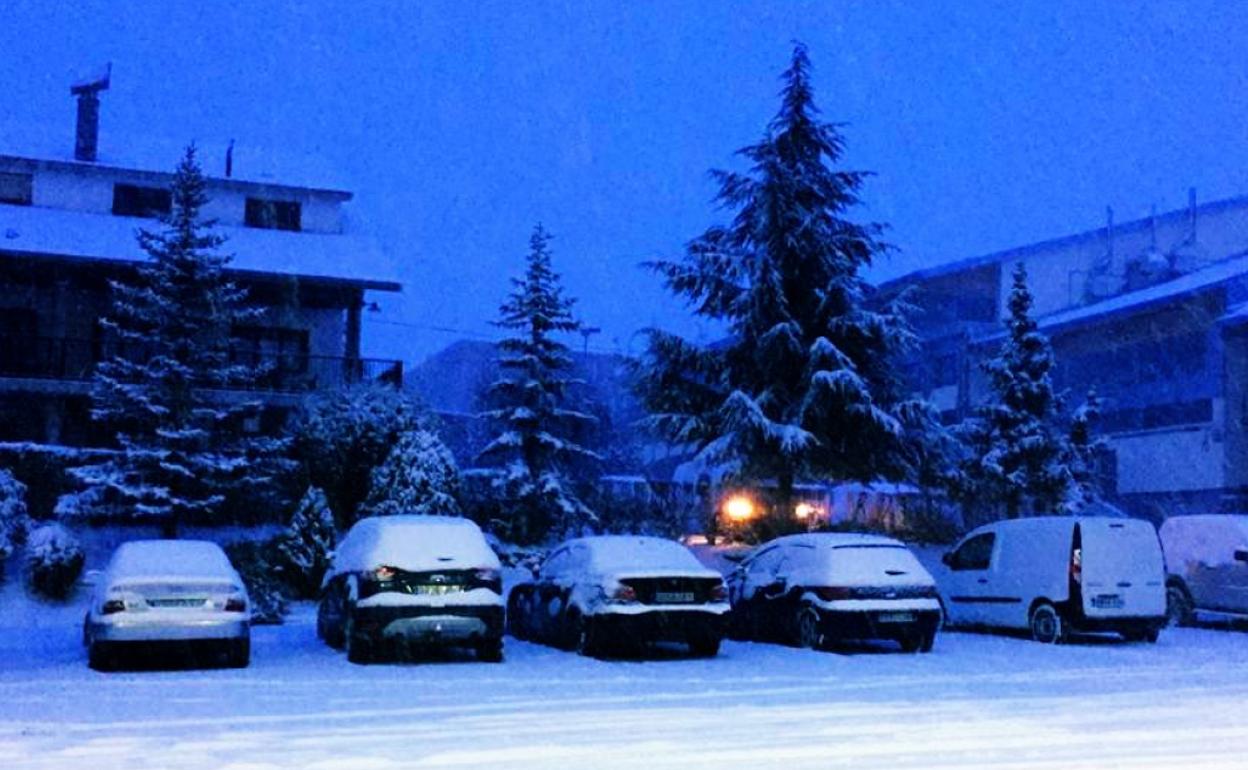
<point x="460" y="125"/>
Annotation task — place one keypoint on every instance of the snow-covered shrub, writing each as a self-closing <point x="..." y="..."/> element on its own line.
<point x="305" y="545"/>
<point x="14" y="520"/>
<point x="343" y="435"/>
<point x="259" y="564"/>
<point x="54" y="560"/>
<point x="418" y="476"/>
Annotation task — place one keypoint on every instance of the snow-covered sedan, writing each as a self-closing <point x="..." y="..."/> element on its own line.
<point x="814" y="589"/>
<point x="401" y="581"/>
<point x="622" y="591"/>
<point x="182" y="594"/>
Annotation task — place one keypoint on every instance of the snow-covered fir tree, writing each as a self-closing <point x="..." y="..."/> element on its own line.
<point x="307" y="542"/>
<point x="54" y="560"/>
<point x="1018" y="460"/>
<point x="1084" y="446"/>
<point x="419" y="476"/>
<point x="181" y="450"/>
<point x="530" y="407"/>
<point x="14" y="518"/>
<point x="803" y="386"/>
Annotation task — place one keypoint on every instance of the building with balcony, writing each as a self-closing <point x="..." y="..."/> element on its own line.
<point x="1153" y="313"/>
<point x="69" y="213"/>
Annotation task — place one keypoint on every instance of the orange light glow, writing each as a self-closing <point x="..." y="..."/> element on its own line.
<point x="739" y="508"/>
<point x="804" y="511"/>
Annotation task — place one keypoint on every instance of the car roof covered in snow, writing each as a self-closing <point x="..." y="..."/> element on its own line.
<point x="639" y="552"/>
<point x="835" y="540"/>
<point x="415" y="544"/>
<point x="161" y="559"/>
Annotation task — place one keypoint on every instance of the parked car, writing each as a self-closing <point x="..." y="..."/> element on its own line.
<point x="1054" y="575"/>
<point x="815" y="589"/>
<point x="401" y="581"/>
<point x="1207" y="565"/>
<point x="183" y="594"/>
<point x="593" y="593"/>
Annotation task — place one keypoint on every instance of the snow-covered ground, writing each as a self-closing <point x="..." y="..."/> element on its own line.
<point x="976" y="701"/>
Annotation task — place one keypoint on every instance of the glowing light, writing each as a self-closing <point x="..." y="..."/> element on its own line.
<point x="739" y="508"/>
<point x="804" y="511"/>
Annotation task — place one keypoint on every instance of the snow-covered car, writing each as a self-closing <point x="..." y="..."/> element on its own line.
<point x="593" y="594"/>
<point x="402" y="581"/>
<point x="1206" y="564"/>
<point x="183" y="594"/>
<point x="815" y="589"/>
<point x="1054" y="575"/>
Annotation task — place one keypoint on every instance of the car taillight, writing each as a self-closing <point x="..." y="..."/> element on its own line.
<point x="235" y="604"/>
<point x="486" y="575"/>
<point x="113" y="605"/>
<point x="927" y="592"/>
<point x="719" y="593"/>
<point x="1076" y="565"/>
<point x="384" y="574"/>
<point x="833" y="593"/>
<point x="624" y="595"/>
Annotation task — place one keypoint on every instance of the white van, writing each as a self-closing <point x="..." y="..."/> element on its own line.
<point x="1059" y="574"/>
<point x="1207" y="555"/>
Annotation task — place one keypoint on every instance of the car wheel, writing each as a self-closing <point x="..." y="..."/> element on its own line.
<point x="1047" y="624"/>
<point x="359" y="650"/>
<point x="584" y="639"/>
<point x="1179" y="608"/>
<point x="238" y="653"/>
<point x="704" y="645"/>
<point x="490" y="651"/>
<point x="808" y="635"/>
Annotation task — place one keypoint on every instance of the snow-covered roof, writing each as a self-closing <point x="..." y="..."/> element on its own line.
<point x="149" y="559"/>
<point x="624" y="552"/>
<point x="41" y="231"/>
<point x="838" y="540"/>
<point x="414" y="544"/>
<point x="267" y="166"/>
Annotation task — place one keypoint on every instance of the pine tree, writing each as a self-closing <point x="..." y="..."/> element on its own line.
<point x="1083" y="448"/>
<point x="529" y="403"/>
<point x="419" y="476"/>
<point x="180" y="449"/>
<point x="804" y="386"/>
<point x="306" y="544"/>
<point x="1019" y="456"/>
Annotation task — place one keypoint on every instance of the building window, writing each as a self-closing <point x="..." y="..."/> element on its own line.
<point x="134" y="201"/>
<point x="15" y="188"/>
<point x="275" y="349"/>
<point x="273" y="215"/>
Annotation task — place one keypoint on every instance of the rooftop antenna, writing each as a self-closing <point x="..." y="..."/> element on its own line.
<point x="87" y="132"/>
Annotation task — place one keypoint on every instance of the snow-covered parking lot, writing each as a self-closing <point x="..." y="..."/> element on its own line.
<point x="976" y="701"/>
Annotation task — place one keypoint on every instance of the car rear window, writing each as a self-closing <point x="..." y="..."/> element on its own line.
<point x="874" y="564"/>
<point x="619" y="554"/>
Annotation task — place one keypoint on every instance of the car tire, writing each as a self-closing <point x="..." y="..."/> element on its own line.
<point x="238" y="653"/>
<point x="490" y="650"/>
<point x="584" y="640"/>
<point x="1180" y="610"/>
<point x="917" y="641"/>
<point x="704" y="646"/>
<point x="806" y="632"/>
<point x="1149" y="635"/>
<point x="359" y="649"/>
<point x="1047" y="624"/>
<point x="101" y="657"/>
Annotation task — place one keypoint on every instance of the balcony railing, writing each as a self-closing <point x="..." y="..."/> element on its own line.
<point x="74" y="360"/>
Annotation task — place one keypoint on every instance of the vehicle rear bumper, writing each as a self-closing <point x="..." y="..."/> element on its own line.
<point x="877" y="624"/>
<point x="416" y="624"/>
<point x="148" y="629"/>
<point x="1118" y="625"/>
<point x="661" y="625"/>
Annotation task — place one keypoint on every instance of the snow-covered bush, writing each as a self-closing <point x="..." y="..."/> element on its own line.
<point x="54" y="560"/>
<point x="305" y="545"/>
<point x="343" y="435"/>
<point x="14" y="521"/>
<point x="418" y="476"/>
<point x="259" y="564"/>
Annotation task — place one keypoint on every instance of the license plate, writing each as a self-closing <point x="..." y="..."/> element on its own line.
<point x="175" y="602"/>
<point x="438" y="589"/>
<point x="673" y="597"/>
<point x="895" y="617"/>
<point x="1107" y="602"/>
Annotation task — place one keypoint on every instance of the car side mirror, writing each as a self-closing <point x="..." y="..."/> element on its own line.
<point x="90" y="578"/>
<point x="946" y="558"/>
<point x="1241" y="554"/>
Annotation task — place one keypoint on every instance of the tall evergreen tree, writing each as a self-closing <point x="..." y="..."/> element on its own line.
<point x="804" y="386"/>
<point x="1083" y="447"/>
<point x="181" y="449"/>
<point x="1019" y="456"/>
<point x="530" y="406"/>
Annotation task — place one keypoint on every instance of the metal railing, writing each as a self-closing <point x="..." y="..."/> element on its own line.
<point x="74" y="360"/>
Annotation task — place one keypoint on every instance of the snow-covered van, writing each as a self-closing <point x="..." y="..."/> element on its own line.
<point x="593" y="594"/>
<point x="1055" y="575"/>
<point x="406" y="580"/>
<point x="1207" y="561"/>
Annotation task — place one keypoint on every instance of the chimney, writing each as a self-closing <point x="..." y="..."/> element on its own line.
<point x="87" y="135"/>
